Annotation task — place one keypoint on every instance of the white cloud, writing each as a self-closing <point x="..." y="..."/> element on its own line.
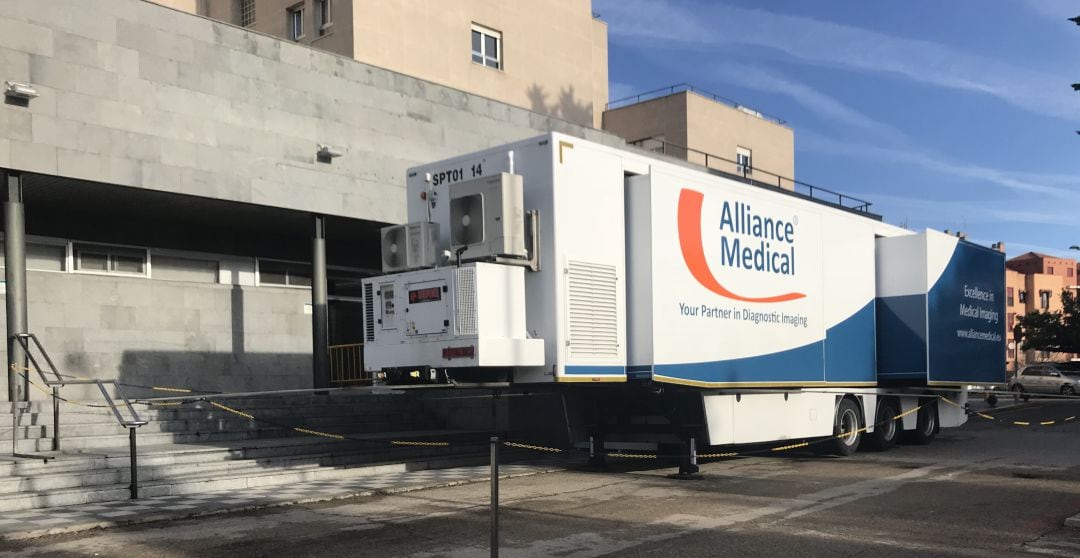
<point x="1065" y="190"/>
<point x="817" y="102"/>
<point x="823" y="42"/>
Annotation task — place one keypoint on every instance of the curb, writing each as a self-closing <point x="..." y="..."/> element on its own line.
<point x="159" y="517"/>
<point x="1073" y="521"/>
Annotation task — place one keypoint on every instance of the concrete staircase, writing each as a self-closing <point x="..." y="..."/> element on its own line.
<point x="199" y="448"/>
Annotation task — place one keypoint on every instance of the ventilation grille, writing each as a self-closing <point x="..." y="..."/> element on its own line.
<point x="465" y="286"/>
<point x="369" y="313"/>
<point x="593" y="301"/>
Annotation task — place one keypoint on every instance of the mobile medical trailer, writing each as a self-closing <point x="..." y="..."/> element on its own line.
<point x="648" y="286"/>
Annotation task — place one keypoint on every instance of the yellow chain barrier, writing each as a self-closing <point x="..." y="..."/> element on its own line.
<point x="412" y="443"/>
<point x="531" y="447"/>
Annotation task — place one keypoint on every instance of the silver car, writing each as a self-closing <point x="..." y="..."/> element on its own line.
<point x="1061" y="378"/>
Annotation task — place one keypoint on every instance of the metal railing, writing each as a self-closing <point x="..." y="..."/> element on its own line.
<point x="53" y="380"/>
<point x="347" y="364"/>
<point x="686" y="87"/>
<point x="746" y="172"/>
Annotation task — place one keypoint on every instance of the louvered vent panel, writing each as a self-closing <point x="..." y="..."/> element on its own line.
<point x="465" y="285"/>
<point x="593" y="303"/>
<point x="369" y="313"/>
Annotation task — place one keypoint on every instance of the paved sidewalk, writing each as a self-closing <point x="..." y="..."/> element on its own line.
<point x="68" y="519"/>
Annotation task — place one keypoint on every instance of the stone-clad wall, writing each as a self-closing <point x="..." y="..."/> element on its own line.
<point x="166" y="333"/>
<point x="136" y="94"/>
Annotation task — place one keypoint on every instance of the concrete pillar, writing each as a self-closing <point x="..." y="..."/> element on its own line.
<point x="319" y="321"/>
<point x="15" y="276"/>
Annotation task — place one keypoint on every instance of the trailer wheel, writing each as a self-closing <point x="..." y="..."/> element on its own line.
<point x="847" y="428"/>
<point x="926" y="427"/>
<point x="886" y="426"/>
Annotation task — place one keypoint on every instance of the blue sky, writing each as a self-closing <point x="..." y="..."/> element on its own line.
<point x="949" y="115"/>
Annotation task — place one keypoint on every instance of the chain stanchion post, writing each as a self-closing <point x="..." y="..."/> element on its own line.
<point x="494" y="497"/>
<point x="134" y="464"/>
<point x="56" y="418"/>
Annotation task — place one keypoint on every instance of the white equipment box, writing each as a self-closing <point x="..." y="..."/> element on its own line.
<point x="438" y="318"/>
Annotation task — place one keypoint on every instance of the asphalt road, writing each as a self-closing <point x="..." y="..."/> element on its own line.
<point x="986" y="489"/>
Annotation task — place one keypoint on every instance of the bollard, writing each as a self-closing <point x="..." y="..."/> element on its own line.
<point x="134" y="464"/>
<point x="494" y="497"/>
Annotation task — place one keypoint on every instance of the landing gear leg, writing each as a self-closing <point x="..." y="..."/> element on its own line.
<point x="689" y="465"/>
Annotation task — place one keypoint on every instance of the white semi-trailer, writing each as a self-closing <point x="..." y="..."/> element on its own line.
<point x="672" y="300"/>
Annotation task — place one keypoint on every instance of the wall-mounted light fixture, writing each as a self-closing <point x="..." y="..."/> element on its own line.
<point x="330" y="151"/>
<point x="19" y="90"/>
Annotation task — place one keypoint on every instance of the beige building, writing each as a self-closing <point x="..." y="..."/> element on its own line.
<point x="550" y="57"/>
<point x="1033" y="283"/>
<point x="708" y="130"/>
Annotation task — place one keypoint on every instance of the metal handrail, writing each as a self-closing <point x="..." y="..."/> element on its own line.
<point x="746" y="173"/>
<point x="686" y="87"/>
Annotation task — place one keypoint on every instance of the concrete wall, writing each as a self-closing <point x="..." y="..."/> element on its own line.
<point x="136" y="94"/>
<point x="169" y="333"/>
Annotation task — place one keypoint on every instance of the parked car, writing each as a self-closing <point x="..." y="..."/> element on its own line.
<point x="1062" y="378"/>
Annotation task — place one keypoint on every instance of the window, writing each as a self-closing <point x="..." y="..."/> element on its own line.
<point x="1012" y="321"/>
<point x="41" y="256"/>
<point x="99" y="258"/>
<point x="486" y="47"/>
<point x="1023" y="297"/>
<point x="744" y="161"/>
<point x="1044" y="300"/>
<point x="1069" y="272"/>
<point x="1012" y="354"/>
<point x="296" y="22"/>
<point x="194" y="270"/>
<point x="322" y="17"/>
<point x="1009" y="296"/>
<point x="1050" y="270"/>
<point x="247" y="13"/>
<point x="284" y="274"/>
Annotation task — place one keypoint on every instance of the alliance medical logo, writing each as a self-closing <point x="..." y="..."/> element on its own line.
<point x="749" y="242"/>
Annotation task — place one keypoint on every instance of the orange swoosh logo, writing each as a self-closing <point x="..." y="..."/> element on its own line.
<point x="694" y="253"/>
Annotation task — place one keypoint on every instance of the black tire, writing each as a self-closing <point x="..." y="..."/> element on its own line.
<point x="926" y="426"/>
<point x="991" y="400"/>
<point x="1019" y="390"/>
<point x="886" y="426"/>
<point x="847" y="421"/>
<point x="1068" y="390"/>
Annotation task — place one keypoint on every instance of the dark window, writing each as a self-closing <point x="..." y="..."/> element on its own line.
<point x="1012" y="319"/>
<point x="287" y="274"/>
<point x="296" y="22"/>
<point x="109" y="259"/>
<point x="322" y="17"/>
<point x="487" y="47"/>
<point x="1044" y="300"/>
<point x="1009" y="296"/>
<point x="1023" y="297"/>
<point x="247" y="13"/>
<point x="1050" y="270"/>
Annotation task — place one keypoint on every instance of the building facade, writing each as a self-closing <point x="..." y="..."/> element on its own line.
<point x="708" y="130"/>
<point x="174" y="193"/>
<point x="1033" y="283"/>
<point x="549" y="57"/>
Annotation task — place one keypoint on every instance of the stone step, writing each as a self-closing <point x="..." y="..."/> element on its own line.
<point x="171" y="454"/>
<point x="342" y="424"/>
<point x="102" y="475"/>
<point x="196" y="484"/>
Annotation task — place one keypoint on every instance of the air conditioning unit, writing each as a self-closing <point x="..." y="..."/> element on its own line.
<point x="410" y="246"/>
<point x="487" y="218"/>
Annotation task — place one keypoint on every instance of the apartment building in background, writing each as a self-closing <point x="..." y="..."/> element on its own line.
<point x="709" y="130"/>
<point x="1033" y="283"/>
<point x="549" y="57"/>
